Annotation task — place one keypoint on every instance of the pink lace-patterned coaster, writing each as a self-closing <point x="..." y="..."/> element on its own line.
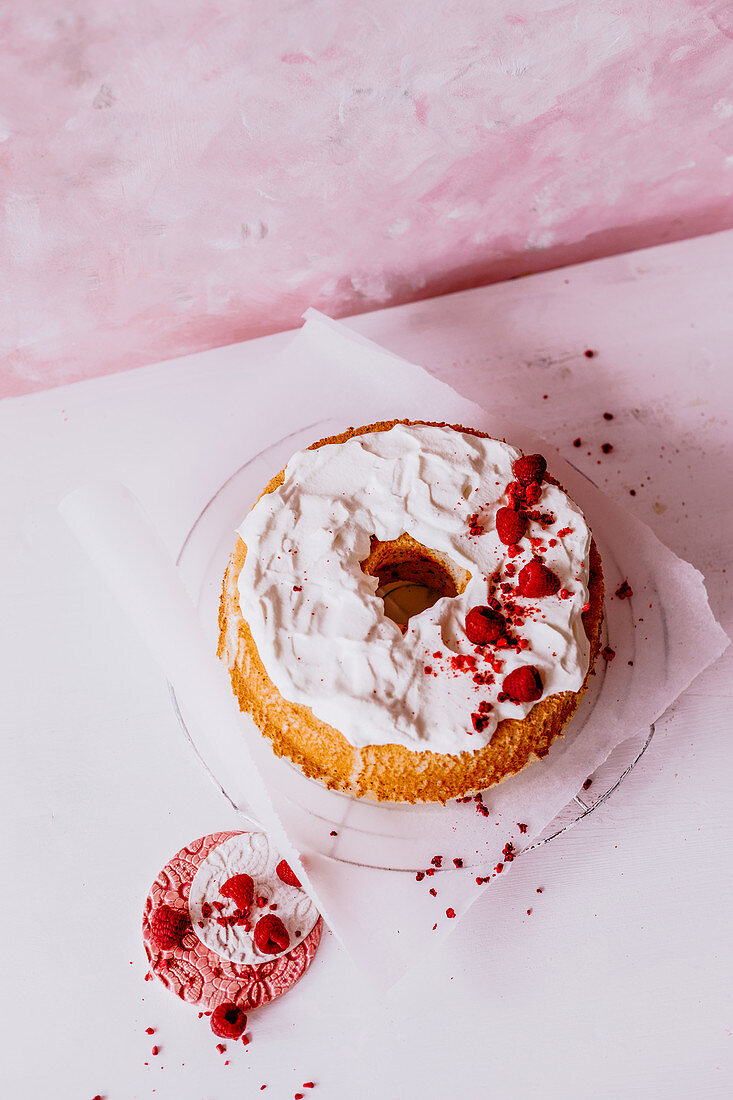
<point x="197" y="974"/>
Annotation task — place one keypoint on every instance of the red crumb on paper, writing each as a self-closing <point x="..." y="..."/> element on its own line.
<point x="221" y="1047"/>
<point x="437" y="861"/>
<point x="433" y="892"/>
<point x="522" y="827"/>
<point x="450" y="913"/>
<point x="499" y="868"/>
<point x="458" y="862"/>
<point x="155" y="1051"/>
<point x="150" y="1031"/>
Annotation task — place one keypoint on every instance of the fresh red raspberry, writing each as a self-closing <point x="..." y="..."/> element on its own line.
<point x="167" y="926"/>
<point x="271" y="936"/>
<point x="285" y="873"/>
<point x="524" y="685"/>
<point x="228" y="1021"/>
<point x="529" y="468"/>
<point x="484" y="625"/>
<point x="241" y="889"/>
<point x="535" y="579"/>
<point x="510" y="525"/>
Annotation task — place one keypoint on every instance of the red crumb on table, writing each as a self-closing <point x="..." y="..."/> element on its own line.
<point x="522" y="827"/>
<point x="499" y="868"/>
<point x="508" y="852"/>
<point x="436" y="861"/>
<point x="150" y="1031"/>
<point x="578" y="442"/>
<point x="450" y="913"/>
<point x="433" y="892"/>
<point x="587" y="783"/>
<point x="607" y="448"/>
<point x="624" y="591"/>
<point x="155" y="1051"/>
<point x="540" y="889"/>
<point x="589" y="353"/>
<point x="333" y="833"/>
<point x="458" y="862"/>
<point x="529" y="912"/>
<point x="608" y="654"/>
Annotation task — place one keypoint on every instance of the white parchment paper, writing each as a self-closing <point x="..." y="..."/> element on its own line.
<point x="663" y="637"/>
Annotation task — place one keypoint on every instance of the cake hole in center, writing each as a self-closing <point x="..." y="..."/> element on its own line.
<point x="412" y="577"/>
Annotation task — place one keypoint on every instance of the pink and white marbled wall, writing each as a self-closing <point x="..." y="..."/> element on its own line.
<point x="179" y="175"/>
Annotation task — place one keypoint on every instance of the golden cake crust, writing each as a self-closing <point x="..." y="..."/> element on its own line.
<point x="390" y="773"/>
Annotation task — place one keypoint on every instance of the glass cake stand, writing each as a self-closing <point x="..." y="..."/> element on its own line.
<point x="346" y="829"/>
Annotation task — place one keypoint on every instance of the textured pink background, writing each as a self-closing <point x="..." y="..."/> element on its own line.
<point x="180" y="175"/>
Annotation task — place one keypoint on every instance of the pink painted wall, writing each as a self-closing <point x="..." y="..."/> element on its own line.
<point x="177" y="175"/>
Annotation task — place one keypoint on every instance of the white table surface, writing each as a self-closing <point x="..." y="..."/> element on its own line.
<point x="618" y="983"/>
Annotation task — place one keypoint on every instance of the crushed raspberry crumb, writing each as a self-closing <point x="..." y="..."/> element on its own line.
<point x="499" y="868"/>
<point x="221" y="1048"/>
<point x="508" y="852"/>
<point x="333" y="833"/>
<point x="480" y="722"/>
<point x="297" y="588"/>
<point x="564" y="532"/>
<point x="433" y="892"/>
<point x="587" y="783"/>
<point x="578" y="442"/>
<point x="450" y="913"/>
<point x="607" y="448"/>
<point x="539" y="889"/>
<point x="437" y="861"/>
<point x="529" y="912"/>
<point x="607" y="653"/>
<point x="458" y="862"/>
<point x="624" y="591"/>
<point x="589" y="353"/>
<point x="419" y="876"/>
<point x="522" y="827"/>
<point x="155" y="1051"/>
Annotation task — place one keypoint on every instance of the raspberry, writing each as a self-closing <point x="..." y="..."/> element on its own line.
<point x="483" y="625"/>
<point x="535" y="579"/>
<point x="510" y="525"/>
<point x="228" y="1021"/>
<point x="524" y="685"/>
<point x="167" y="926"/>
<point x="271" y="936"/>
<point x="285" y="873"/>
<point x="241" y="889"/>
<point x="529" y="468"/>
<point x="532" y="493"/>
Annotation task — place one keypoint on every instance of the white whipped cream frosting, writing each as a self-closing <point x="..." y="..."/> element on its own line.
<point x="321" y="630"/>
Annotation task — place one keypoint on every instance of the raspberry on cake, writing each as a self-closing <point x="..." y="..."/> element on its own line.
<point x="366" y="613"/>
